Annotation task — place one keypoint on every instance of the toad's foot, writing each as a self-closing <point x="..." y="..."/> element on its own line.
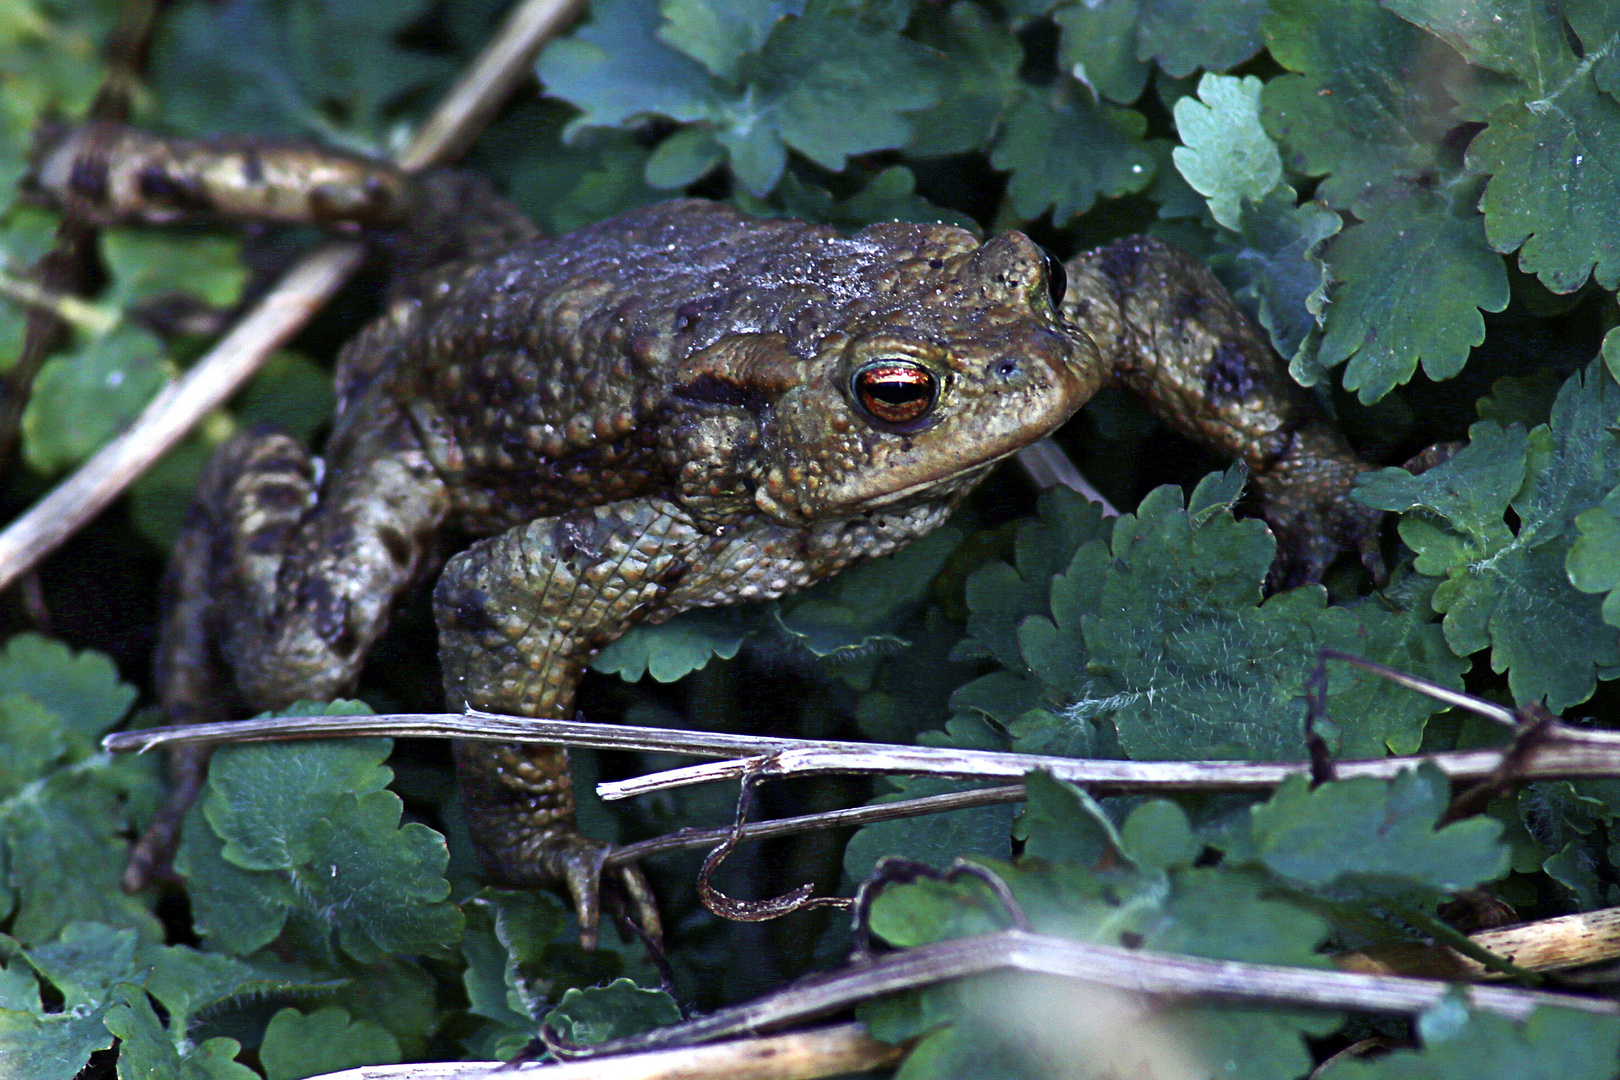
<point x="577" y="863"/>
<point x="520" y="807"/>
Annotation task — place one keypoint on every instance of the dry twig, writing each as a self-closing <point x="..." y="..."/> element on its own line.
<point x="1133" y="971"/>
<point x="803" y="1055"/>
<point x="279" y="315"/>
<point x="1568" y="941"/>
<point x="1567" y="753"/>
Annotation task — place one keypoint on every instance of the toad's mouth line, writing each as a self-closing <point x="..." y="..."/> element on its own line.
<point x="969" y="473"/>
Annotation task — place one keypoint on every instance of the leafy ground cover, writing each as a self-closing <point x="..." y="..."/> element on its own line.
<point x="1416" y="199"/>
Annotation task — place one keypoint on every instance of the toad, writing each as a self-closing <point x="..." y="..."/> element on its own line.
<point x="679" y="407"/>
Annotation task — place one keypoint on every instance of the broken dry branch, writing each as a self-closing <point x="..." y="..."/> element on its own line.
<point x="1566" y="753"/>
<point x="275" y="318"/>
<point x="1568" y="941"/>
<point x="1193" y="978"/>
<point x="802" y="1055"/>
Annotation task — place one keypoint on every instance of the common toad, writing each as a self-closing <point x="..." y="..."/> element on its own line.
<point x="679" y="407"/>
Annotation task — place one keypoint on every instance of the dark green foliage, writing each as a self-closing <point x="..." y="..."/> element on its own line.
<point x="1508" y="587"/>
<point x="601" y="1013"/>
<point x="1415" y="199"/>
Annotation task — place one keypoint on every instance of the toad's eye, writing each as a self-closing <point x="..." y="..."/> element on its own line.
<point x="1057" y="279"/>
<point x="894" y="391"/>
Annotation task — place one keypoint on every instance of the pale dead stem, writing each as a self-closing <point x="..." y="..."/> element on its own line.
<point x="1566" y="753"/>
<point x="1168" y="980"/>
<point x="1570" y="752"/>
<point x="1568" y="941"/>
<point x="278" y="316"/>
<point x="1559" y="751"/>
<point x="802" y="1055"/>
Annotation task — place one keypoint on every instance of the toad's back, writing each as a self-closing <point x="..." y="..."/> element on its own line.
<point x="538" y="373"/>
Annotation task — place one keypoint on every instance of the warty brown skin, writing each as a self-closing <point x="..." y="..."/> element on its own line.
<point x="670" y="409"/>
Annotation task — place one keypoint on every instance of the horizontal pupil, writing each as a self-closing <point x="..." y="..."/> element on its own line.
<point x="898" y="392"/>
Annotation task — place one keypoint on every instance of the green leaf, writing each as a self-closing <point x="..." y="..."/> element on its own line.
<point x="598" y="1014"/>
<point x="308" y="833"/>
<point x="51" y="1046"/>
<point x="1553" y="149"/>
<point x="1063" y="823"/>
<point x="150" y="265"/>
<point x="1504" y="588"/>
<point x="84" y="398"/>
<point x="147" y="1050"/>
<point x="675" y="649"/>
<point x="983" y="58"/>
<point x="506" y="944"/>
<point x="1346" y="114"/>
<point x="936" y="839"/>
<point x="332" y="67"/>
<point x="161" y="496"/>
<point x="297" y="1045"/>
<point x="1185" y="35"/>
<point x="25" y="236"/>
<point x="1413" y="279"/>
<point x="263" y="801"/>
<point x="31" y="741"/>
<point x="891" y="195"/>
<point x="187" y="982"/>
<point x="1002" y="596"/>
<point x="1169" y="640"/>
<point x="717" y="33"/>
<point x="1553" y="1044"/>
<point x="1226" y="155"/>
<point x="65" y="839"/>
<point x="1376" y="835"/>
<point x="1594" y="559"/>
<point x="601" y="172"/>
<point x="87" y="961"/>
<point x="685" y="156"/>
<point x="836" y="87"/>
<point x="862" y="608"/>
<point x="398" y="994"/>
<point x="1158" y="834"/>
<point x="1064" y="151"/>
<point x="81" y="688"/>
<point x="824" y="83"/>
<point x="290" y="393"/>
<point x="1098" y="48"/>
<point x="1516" y="37"/>
<point x="1286" y="276"/>
<point x="1551" y="195"/>
<point x="1016" y="1025"/>
<point x="615" y="69"/>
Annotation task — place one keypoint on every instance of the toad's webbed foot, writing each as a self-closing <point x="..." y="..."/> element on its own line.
<point x="1306" y="500"/>
<point x="520" y="809"/>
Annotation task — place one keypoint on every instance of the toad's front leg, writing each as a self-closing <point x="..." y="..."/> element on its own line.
<point x="521" y="614"/>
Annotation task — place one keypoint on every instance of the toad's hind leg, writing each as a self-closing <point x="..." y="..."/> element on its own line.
<point x="109" y="173"/>
<point x="277" y="589"/>
<point x="1172" y="334"/>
